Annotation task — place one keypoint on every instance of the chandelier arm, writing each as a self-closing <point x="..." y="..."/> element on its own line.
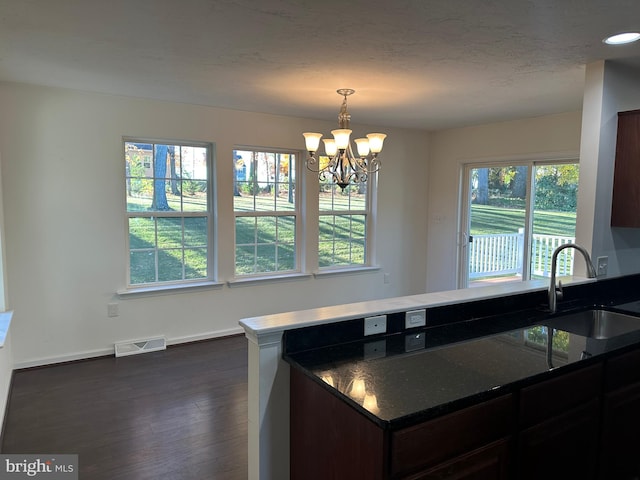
<point x="366" y="165"/>
<point x="311" y="162"/>
<point x="374" y="164"/>
<point x="323" y="175"/>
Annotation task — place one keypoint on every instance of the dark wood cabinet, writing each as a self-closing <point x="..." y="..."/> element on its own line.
<point x="564" y="446"/>
<point x="490" y="462"/>
<point x="455" y="442"/>
<point x="625" y="207"/>
<point x="581" y="424"/>
<point x="330" y="439"/>
<point x="559" y="426"/>
<point x="620" y="457"/>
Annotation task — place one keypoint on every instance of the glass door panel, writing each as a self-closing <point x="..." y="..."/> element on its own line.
<point x="497" y="220"/>
<point x="554" y="217"/>
<point x="509" y="234"/>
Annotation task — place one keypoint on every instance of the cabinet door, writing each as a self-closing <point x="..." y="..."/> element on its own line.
<point x="487" y="463"/>
<point x="436" y="441"/>
<point x="626" y="184"/>
<point x="562" y="447"/>
<point x="329" y="438"/>
<point x="621" y="434"/>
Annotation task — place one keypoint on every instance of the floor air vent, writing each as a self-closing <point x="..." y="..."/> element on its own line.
<point x="140" y="346"/>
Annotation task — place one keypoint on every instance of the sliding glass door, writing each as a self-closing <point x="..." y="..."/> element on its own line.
<point x="513" y="217"/>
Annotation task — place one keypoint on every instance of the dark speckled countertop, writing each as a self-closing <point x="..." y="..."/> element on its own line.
<point x="410" y="376"/>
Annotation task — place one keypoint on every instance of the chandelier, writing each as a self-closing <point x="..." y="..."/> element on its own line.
<point x="343" y="167"/>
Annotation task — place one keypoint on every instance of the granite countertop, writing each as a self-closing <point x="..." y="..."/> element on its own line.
<point x="407" y="377"/>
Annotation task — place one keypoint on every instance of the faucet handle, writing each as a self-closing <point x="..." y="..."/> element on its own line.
<point x="559" y="290"/>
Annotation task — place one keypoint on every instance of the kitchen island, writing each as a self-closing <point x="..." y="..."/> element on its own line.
<point x="487" y="313"/>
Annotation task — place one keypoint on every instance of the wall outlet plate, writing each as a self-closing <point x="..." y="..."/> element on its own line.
<point x="113" y="310"/>
<point x="601" y="266"/>
<point x="374" y="325"/>
<point x="415" y="318"/>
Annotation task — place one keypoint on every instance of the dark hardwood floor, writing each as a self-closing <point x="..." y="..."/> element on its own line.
<point x="176" y="414"/>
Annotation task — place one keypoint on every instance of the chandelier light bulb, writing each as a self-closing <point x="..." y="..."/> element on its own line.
<point x="363" y="146"/>
<point x="375" y="141"/>
<point x="312" y="141"/>
<point x="330" y="147"/>
<point x="341" y="137"/>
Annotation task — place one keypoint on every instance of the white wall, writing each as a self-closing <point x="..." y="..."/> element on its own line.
<point x="551" y="136"/>
<point x="64" y="197"/>
<point x="609" y="88"/>
<point x="6" y="354"/>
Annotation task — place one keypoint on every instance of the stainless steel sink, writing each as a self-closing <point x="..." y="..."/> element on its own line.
<point x="596" y="323"/>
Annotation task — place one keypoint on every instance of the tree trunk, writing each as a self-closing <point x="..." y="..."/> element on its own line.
<point x="174" y="177"/>
<point x="483" y="186"/>
<point x="160" y="173"/>
<point x="520" y="182"/>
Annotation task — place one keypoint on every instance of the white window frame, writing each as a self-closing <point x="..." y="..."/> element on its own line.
<point x="296" y="212"/>
<point x="531" y="162"/>
<point x="369" y="213"/>
<point x="209" y="214"/>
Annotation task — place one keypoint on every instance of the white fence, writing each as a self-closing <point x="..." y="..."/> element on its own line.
<point x="503" y="254"/>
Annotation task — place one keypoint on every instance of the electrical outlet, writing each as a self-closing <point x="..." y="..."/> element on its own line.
<point x="113" y="310"/>
<point x="601" y="266"/>
<point x="377" y="324"/>
<point x="415" y="318"/>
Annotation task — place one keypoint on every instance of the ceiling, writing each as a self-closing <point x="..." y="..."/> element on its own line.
<point x="429" y="64"/>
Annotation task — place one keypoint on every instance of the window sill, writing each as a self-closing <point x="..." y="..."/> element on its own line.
<point x="346" y="271"/>
<point x="248" y="281"/>
<point x="167" y="289"/>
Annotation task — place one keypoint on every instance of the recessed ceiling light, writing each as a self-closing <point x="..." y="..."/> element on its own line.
<point x="622" y="38"/>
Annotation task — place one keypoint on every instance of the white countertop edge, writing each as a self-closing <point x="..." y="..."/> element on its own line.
<point x="265" y="325"/>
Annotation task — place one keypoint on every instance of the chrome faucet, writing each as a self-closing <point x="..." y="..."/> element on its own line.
<point x="555" y="293"/>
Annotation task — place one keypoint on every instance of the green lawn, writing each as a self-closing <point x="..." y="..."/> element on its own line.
<point x="486" y="219"/>
<point x="168" y="250"/>
<point x="267" y="245"/>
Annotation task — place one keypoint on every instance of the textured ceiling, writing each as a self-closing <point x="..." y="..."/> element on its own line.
<point x="413" y="63"/>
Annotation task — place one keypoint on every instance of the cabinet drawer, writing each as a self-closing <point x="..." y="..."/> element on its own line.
<point x="490" y="461"/>
<point x="551" y="397"/>
<point x="622" y="370"/>
<point x="437" y="440"/>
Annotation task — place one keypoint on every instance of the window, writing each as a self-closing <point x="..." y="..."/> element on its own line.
<point x="266" y="212"/>
<point x="343" y="229"/>
<point x="169" y="212"/>
<point x="515" y="216"/>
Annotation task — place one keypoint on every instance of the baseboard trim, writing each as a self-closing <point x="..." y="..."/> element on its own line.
<point x="205" y="336"/>
<point x="105" y="352"/>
